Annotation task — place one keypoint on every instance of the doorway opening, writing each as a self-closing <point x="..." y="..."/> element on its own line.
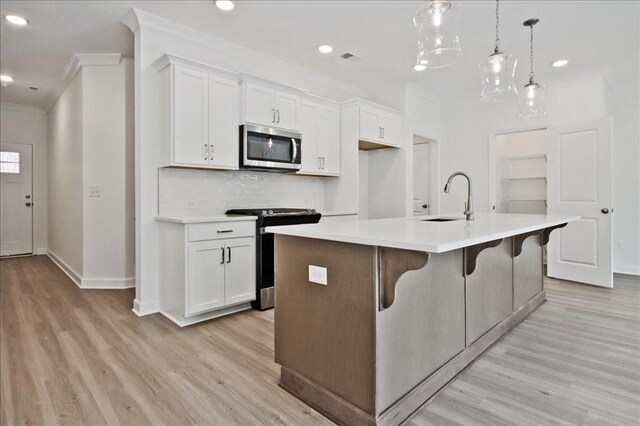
<point x="425" y="176"/>
<point x="16" y="212"/>
<point x="519" y="183"/>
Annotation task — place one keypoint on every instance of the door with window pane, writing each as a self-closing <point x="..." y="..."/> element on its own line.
<point x="16" y="198"/>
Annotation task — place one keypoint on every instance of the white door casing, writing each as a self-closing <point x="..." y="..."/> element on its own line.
<point x="420" y="179"/>
<point x="16" y="209"/>
<point x="580" y="184"/>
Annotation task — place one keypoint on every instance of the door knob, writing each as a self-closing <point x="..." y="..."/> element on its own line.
<point x="27" y="196"/>
<point x="605" y="210"/>
<point x="424" y="206"/>
<point x="28" y="204"/>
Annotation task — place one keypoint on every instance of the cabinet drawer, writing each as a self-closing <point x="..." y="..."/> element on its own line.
<point x="214" y="231"/>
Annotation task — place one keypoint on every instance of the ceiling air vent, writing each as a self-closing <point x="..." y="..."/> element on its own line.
<point x="350" y="57"/>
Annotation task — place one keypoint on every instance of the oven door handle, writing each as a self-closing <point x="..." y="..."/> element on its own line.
<point x="295" y="150"/>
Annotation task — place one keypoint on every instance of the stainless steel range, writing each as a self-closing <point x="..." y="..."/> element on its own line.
<point x="265" y="272"/>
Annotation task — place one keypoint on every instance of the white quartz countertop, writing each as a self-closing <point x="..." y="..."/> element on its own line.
<point x="206" y="219"/>
<point x="413" y="233"/>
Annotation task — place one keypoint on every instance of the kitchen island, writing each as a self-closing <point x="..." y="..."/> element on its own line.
<point x="373" y="317"/>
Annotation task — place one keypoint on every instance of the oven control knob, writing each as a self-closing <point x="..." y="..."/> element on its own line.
<point x="270" y="212"/>
<point x="264" y="212"/>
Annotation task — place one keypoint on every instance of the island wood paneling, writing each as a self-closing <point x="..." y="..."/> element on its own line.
<point x="527" y="271"/>
<point x="422" y="329"/>
<point x="327" y="332"/>
<point x="489" y="289"/>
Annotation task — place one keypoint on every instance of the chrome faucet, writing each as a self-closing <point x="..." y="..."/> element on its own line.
<point x="468" y="206"/>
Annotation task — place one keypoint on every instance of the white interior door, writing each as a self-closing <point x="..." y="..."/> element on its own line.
<point x="580" y="185"/>
<point x="420" y="179"/>
<point x="16" y="211"/>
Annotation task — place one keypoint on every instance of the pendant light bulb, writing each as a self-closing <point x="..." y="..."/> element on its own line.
<point x="531" y="102"/>
<point x="437" y="27"/>
<point x="498" y="72"/>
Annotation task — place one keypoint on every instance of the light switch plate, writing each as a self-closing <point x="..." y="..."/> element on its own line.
<point x="318" y="274"/>
<point x="94" y="191"/>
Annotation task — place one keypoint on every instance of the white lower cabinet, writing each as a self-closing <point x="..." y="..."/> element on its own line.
<point x="207" y="269"/>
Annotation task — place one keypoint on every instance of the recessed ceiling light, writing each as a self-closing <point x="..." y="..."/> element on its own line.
<point x="325" y="48"/>
<point x="16" y="20"/>
<point x="560" y="63"/>
<point x="419" y="67"/>
<point x="6" y="78"/>
<point x="225" y="5"/>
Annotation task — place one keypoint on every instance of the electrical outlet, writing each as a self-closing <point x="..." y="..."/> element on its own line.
<point x="318" y="274"/>
<point x="94" y="191"/>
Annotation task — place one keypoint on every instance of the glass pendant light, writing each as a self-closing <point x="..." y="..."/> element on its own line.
<point x="532" y="99"/>
<point x="438" y="41"/>
<point x="498" y="71"/>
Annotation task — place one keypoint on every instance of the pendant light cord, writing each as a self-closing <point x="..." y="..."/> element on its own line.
<point x="497" y="48"/>
<point x="531" y="57"/>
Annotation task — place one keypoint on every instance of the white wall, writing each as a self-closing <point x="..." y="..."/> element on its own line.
<point x="65" y="178"/>
<point x="468" y="124"/>
<point x="107" y="145"/>
<point x="154" y="37"/>
<point x="90" y="145"/>
<point x="422" y="117"/>
<point x="28" y="125"/>
<point x="623" y="105"/>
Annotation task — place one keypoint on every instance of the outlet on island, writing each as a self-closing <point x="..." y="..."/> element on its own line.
<point x="318" y="274"/>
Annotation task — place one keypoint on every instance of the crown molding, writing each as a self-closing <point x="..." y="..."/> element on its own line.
<point x="22" y="108"/>
<point x="98" y="59"/>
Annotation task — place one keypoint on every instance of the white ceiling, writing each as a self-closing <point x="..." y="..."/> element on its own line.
<point x="596" y="36"/>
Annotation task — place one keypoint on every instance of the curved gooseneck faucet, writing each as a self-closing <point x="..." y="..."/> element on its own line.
<point x="468" y="206"/>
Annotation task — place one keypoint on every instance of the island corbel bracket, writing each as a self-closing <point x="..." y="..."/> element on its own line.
<point x="472" y="252"/>
<point x="393" y="264"/>
<point x="544" y="238"/>
<point x="518" y="240"/>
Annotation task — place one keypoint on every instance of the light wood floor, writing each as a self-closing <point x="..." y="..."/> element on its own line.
<point x="73" y="356"/>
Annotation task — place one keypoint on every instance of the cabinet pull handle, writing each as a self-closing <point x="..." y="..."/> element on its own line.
<point x="206" y="151"/>
<point x="383" y="133"/>
<point x="278" y="115"/>
<point x="295" y="150"/>
<point x="224" y="231"/>
<point x="273" y="115"/>
<point x="322" y="163"/>
<point x="222" y="249"/>
<point x="229" y="254"/>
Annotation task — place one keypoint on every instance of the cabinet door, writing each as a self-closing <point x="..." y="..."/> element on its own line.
<point x="369" y="125"/>
<point x="309" y="113"/>
<point x="223" y="123"/>
<point x="287" y="110"/>
<point x="391" y="129"/>
<point x="240" y="284"/>
<point x="329" y="140"/>
<point x="205" y="276"/>
<point x="259" y="105"/>
<point x="190" y="117"/>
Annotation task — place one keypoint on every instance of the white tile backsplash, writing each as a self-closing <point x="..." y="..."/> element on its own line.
<point x="209" y="192"/>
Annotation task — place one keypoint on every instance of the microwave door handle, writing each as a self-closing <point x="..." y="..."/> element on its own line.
<point x="295" y="150"/>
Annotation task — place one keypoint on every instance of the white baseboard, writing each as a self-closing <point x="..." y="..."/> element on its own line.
<point x="108" y="283"/>
<point x="145" y="308"/>
<point x="75" y="277"/>
<point x="40" y="252"/>
<point x="91" y="283"/>
<point x="626" y="269"/>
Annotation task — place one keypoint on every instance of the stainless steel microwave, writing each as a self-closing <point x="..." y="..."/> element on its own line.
<point x="266" y="148"/>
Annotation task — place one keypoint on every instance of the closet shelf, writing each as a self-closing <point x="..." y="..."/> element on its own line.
<point x="526" y="157"/>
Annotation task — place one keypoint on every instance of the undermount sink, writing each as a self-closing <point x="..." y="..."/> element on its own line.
<point x="441" y="219"/>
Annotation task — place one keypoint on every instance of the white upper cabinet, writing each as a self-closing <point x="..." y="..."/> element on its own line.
<point x="191" y="117"/>
<point x="379" y="127"/>
<point x="320" y="128"/>
<point x="200" y="106"/>
<point x="270" y="107"/>
<point x="223" y="123"/>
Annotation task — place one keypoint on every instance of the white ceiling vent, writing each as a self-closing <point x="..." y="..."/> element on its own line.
<point x="351" y="57"/>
